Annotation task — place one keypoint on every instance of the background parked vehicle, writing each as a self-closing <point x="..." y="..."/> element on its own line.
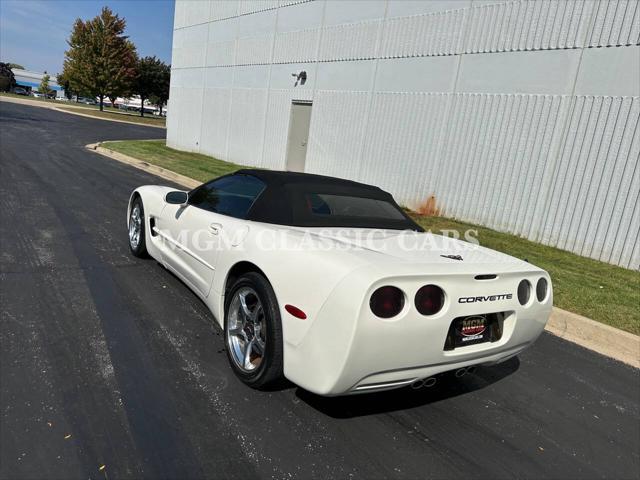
<point x="86" y="101"/>
<point x="37" y="94"/>
<point x="20" y="91"/>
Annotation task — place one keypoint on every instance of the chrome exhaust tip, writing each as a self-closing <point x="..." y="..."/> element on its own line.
<point x="430" y="382"/>
<point x="461" y="372"/>
<point x="424" y="383"/>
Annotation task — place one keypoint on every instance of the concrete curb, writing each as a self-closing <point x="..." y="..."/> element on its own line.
<point x="609" y="341"/>
<point x="601" y="338"/>
<point x="58" y="109"/>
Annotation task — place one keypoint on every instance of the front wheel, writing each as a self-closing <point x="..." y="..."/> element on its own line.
<point x="137" y="242"/>
<point x="253" y="332"/>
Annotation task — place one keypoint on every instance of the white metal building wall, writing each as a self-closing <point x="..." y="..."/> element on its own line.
<point x="519" y="115"/>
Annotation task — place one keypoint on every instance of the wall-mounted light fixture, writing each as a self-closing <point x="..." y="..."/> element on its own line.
<point x="301" y="78"/>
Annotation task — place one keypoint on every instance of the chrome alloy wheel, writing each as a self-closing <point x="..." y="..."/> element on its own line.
<point x="246" y="330"/>
<point x="135" y="226"/>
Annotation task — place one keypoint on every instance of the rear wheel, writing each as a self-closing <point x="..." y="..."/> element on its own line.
<point x="137" y="240"/>
<point x="253" y="332"/>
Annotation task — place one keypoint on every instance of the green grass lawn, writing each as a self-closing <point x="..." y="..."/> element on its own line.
<point x="193" y="165"/>
<point x="94" y="110"/>
<point x="597" y="290"/>
<point x="113" y="114"/>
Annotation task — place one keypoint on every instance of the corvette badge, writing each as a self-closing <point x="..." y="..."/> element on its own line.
<point x="453" y="257"/>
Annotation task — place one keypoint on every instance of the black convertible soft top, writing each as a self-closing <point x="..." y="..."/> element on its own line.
<point x="308" y="200"/>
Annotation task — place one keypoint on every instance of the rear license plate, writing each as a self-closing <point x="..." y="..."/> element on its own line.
<point x="474" y="329"/>
<point x="471" y="330"/>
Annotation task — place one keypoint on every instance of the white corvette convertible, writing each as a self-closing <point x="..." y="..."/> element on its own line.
<point x="329" y="283"/>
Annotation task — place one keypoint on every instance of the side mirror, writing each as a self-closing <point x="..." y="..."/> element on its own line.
<point x="177" y="198"/>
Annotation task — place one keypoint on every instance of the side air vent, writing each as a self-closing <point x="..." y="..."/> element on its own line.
<point x="152" y="225"/>
<point x="489" y="276"/>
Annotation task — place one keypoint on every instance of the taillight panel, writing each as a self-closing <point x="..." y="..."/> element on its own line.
<point x="429" y="300"/>
<point x="387" y="301"/>
<point x="524" y="292"/>
<point x="542" y="289"/>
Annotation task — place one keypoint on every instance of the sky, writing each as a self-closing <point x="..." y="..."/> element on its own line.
<point x="34" y="33"/>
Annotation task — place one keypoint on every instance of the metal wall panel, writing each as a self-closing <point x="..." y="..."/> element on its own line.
<point x="189" y="46"/>
<point x="494" y="159"/>
<point x="296" y="46"/>
<point x="557" y="169"/>
<point x="286" y="3"/>
<point x="523" y="124"/>
<point x="336" y="131"/>
<point x="246" y="127"/>
<point x="252" y="6"/>
<point x="276" y="130"/>
<point x="173" y="139"/>
<point x="354" y="41"/>
<point x="222" y="10"/>
<point x="404" y="158"/>
<point x="437" y="33"/>
<point x="253" y="50"/>
<point x="595" y="191"/>
<point x="528" y="25"/>
<point x="196" y="12"/>
<point x="214" y="128"/>
<point x="221" y="54"/>
<point x="184" y="120"/>
<point x="615" y="22"/>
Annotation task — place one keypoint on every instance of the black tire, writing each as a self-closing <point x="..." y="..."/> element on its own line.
<point x="269" y="373"/>
<point x="140" y="249"/>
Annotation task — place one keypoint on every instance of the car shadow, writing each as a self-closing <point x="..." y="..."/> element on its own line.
<point x="447" y="386"/>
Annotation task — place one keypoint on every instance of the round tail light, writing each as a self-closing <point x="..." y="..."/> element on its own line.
<point x="524" y="292"/>
<point x="429" y="300"/>
<point x="387" y="302"/>
<point x="541" y="289"/>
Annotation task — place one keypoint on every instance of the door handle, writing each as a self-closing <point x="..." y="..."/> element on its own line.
<point x="215" y="228"/>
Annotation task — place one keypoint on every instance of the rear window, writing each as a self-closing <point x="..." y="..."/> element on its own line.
<point x="325" y="202"/>
<point x="325" y="205"/>
<point x="345" y="206"/>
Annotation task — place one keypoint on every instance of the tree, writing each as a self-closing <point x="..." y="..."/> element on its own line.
<point x="71" y="89"/>
<point x="16" y="66"/>
<point x="161" y="96"/>
<point x="7" y="80"/>
<point x="122" y="86"/>
<point x="44" y="84"/>
<point x="101" y="60"/>
<point x="150" y="73"/>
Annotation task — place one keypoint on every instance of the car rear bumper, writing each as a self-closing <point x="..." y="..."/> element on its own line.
<point x="399" y="378"/>
<point x="349" y="350"/>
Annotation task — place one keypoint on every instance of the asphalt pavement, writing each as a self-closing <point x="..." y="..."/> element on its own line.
<point x="108" y="360"/>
